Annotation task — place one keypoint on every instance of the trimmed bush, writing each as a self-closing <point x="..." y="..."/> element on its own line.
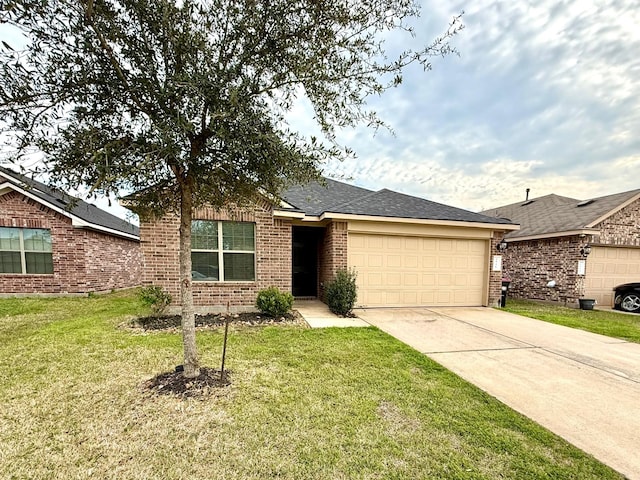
<point x="274" y="303"/>
<point x="341" y="292"/>
<point x="155" y="298"/>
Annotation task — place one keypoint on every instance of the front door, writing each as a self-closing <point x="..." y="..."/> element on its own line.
<point x="305" y="261"/>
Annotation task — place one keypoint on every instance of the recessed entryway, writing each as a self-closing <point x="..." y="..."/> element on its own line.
<point x="305" y="254"/>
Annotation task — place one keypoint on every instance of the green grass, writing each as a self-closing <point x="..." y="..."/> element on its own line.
<point x="609" y="323"/>
<point x="304" y="404"/>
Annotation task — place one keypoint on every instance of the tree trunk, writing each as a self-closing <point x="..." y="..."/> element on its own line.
<point x="191" y="363"/>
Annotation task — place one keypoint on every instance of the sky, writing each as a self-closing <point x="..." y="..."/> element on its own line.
<point x="543" y="95"/>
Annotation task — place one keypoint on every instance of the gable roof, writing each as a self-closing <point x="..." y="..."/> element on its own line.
<point x="316" y="199"/>
<point x="552" y="215"/>
<point x="82" y="214"/>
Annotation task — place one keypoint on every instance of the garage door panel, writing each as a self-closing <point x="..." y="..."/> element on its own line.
<point x="445" y="262"/>
<point x="410" y="298"/>
<point x="428" y="280"/>
<point x="410" y="280"/>
<point x="477" y="264"/>
<point x="418" y="271"/>
<point x="445" y="245"/>
<point x="357" y="260"/>
<point x="462" y="262"/>
<point x="374" y="279"/>
<point x="411" y="244"/>
<point x="608" y="267"/>
<point x="394" y="261"/>
<point x="429" y="261"/>
<point x="444" y="297"/>
<point x="410" y="261"/>
<point x="427" y="298"/>
<point x="375" y="261"/>
<point x="459" y="296"/>
<point x="462" y="246"/>
<point x="429" y="244"/>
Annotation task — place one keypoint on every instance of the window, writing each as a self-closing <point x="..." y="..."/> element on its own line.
<point x="223" y="251"/>
<point x="25" y="250"/>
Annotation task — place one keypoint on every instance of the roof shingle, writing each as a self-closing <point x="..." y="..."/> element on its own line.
<point x="336" y="197"/>
<point x="554" y="214"/>
<point x="75" y="206"/>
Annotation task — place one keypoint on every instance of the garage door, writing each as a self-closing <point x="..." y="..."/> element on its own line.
<point x="608" y="267"/>
<point x="395" y="270"/>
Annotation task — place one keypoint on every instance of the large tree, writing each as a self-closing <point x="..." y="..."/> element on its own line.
<point x="185" y="101"/>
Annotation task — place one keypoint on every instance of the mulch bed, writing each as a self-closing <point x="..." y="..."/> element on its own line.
<point x="175" y="383"/>
<point x="247" y="319"/>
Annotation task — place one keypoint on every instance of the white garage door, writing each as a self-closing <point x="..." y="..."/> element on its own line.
<point x="395" y="270"/>
<point x="608" y="267"/>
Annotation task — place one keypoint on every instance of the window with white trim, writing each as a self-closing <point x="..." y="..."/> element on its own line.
<point x="25" y="251"/>
<point x="223" y="251"/>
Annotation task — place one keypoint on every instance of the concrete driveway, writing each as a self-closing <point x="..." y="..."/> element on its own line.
<point x="581" y="386"/>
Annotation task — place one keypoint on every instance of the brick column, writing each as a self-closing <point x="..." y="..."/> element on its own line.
<point x="495" y="278"/>
<point x="333" y="253"/>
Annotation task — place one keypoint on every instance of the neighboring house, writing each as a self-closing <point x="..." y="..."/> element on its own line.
<point x="53" y="243"/>
<point x="584" y="247"/>
<point x="407" y="251"/>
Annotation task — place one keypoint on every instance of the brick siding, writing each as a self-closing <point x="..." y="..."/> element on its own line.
<point x="532" y="264"/>
<point x="83" y="260"/>
<point x="621" y="228"/>
<point x="333" y="253"/>
<point x="161" y="245"/>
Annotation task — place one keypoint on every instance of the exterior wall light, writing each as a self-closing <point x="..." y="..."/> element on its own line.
<point x="502" y="246"/>
<point x="585" y="250"/>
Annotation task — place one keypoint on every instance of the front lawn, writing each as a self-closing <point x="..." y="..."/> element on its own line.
<point x="609" y="323"/>
<point x="304" y="404"/>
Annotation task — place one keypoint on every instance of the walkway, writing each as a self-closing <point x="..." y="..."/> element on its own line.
<point x="318" y="315"/>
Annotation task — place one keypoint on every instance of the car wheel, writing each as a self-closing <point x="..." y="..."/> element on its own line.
<point x="630" y="302"/>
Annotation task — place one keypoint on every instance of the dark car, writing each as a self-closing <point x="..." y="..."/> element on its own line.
<point x="627" y="297"/>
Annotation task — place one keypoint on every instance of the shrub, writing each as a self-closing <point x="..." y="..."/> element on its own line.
<point x="155" y="298"/>
<point x="274" y="303"/>
<point x="341" y="292"/>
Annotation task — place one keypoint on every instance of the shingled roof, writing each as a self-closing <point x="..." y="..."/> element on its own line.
<point x="553" y="214"/>
<point x="89" y="215"/>
<point x="316" y="199"/>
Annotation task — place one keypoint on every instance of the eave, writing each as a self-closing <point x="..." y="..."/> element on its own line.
<point x="542" y="236"/>
<point x="76" y="221"/>
<point x="371" y="218"/>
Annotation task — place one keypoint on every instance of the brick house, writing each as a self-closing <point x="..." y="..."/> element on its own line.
<point x="406" y="250"/>
<point x="585" y="248"/>
<point x="52" y="243"/>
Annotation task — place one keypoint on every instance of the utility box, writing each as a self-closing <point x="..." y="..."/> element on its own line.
<point x="505" y="290"/>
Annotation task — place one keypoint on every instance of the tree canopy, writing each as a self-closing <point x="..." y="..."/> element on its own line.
<point x="186" y="101"/>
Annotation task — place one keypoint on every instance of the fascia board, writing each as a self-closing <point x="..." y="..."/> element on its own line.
<point x="422" y="221"/>
<point x="542" y="236"/>
<point x="286" y="214"/>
